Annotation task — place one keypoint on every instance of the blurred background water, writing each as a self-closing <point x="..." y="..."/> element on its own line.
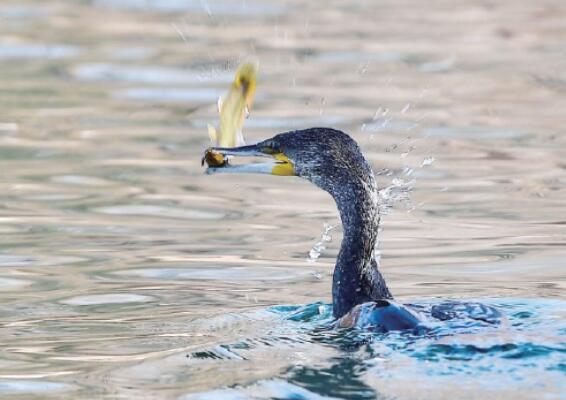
<point x="127" y="273"/>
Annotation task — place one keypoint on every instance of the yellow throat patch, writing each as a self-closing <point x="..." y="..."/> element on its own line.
<point x="285" y="167"/>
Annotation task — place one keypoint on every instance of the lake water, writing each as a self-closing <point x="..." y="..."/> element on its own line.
<point x="125" y="272"/>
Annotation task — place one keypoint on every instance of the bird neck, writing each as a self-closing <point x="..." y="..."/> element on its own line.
<point x="356" y="277"/>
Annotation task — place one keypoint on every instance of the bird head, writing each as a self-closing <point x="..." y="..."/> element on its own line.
<point x="326" y="157"/>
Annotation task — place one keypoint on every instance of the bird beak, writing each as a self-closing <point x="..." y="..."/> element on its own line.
<point x="217" y="159"/>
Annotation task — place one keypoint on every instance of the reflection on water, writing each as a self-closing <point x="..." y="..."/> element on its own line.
<point x="37" y="51"/>
<point x="203" y="6"/>
<point x="144" y="74"/>
<point x="170" y="95"/>
<point x="403" y="365"/>
<point x="126" y="272"/>
<point x="27" y="387"/>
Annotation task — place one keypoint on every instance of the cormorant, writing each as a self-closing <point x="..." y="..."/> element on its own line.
<point x="333" y="161"/>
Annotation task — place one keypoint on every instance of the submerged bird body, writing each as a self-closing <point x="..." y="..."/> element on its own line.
<point x="380" y="315"/>
<point x="333" y="161"/>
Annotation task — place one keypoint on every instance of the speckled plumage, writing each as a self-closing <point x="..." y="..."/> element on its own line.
<point x="333" y="161"/>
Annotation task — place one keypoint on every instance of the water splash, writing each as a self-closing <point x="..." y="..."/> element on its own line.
<point x="319" y="246"/>
<point x="427" y="161"/>
<point x="525" y="349"/>
<point x="398" y="192"/>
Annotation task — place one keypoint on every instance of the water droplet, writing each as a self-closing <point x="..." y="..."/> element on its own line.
<point x="389" y="149"/>
<point x="427" y="161"/>
<point x="319" y="246"/>
<point x="377" y="114"/>
<point x="206" y="7"/>
<point x="362" y="68"/>
<point x="380" y="112"/>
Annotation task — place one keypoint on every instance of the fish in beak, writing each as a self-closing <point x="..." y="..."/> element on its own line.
<point x="277" y="163"/>
<point x="235" y="107"/>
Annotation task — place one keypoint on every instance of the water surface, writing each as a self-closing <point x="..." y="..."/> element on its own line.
<point x="125" y="272"/>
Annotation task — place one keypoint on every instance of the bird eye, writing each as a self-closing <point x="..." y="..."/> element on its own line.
<point x="271" y="147"/>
